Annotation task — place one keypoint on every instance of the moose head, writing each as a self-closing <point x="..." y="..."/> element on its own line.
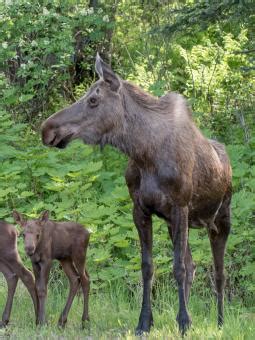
<point x="93" y="117"/>
<point x="32" y="230"/>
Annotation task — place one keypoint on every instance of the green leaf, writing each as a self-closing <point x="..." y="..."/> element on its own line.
<point x="26" y="194"/>
<point x="25" y="97"/>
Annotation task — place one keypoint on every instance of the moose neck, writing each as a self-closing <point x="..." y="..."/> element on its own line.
<point x="141" y="130"/>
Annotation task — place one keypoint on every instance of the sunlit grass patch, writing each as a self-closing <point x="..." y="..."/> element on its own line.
<point x="114" y="314"/>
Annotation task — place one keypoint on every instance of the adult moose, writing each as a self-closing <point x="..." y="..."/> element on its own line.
<point x="173" y="172"/>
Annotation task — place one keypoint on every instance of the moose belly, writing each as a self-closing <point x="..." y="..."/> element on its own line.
<point x="157" y="198"/>
<point x="204" y="207"/>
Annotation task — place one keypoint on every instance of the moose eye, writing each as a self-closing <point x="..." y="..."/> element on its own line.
<point x="93" y="101"/>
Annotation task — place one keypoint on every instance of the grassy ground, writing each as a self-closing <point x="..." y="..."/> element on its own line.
<point x="114" y="315"/>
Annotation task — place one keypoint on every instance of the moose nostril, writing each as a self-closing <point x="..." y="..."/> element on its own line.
<point x="48" y="135"/>
<point x="53" y="140"/>
<point x="29" y="250"/>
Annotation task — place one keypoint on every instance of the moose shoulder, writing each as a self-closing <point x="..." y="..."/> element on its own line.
<point x="173" y="171"/>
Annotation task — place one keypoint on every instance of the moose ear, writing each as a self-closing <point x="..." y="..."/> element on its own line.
<point x="18" y="218"/>
<point x="44" y="216"/>
<point x="106" y="73"/>
<point x="98" y="66"/>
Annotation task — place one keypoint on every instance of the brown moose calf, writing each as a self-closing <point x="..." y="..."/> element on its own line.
<point x="13" y="269"/>
<point x="67" y="242"/>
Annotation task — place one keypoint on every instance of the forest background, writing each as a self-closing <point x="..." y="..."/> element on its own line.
<point x="202" y="49"/>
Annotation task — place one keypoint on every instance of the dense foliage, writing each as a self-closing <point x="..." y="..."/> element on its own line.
<point x="42" y="58"/>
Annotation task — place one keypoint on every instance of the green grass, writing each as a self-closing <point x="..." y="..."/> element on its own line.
<point x="114" y="315"/>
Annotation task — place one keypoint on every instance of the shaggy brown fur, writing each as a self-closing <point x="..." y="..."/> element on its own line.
<point x="66" y="242"/>
<point x="13" y="269"/>
<point x="173" y="172"/>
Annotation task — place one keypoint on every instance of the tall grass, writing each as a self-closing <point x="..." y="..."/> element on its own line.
<point x="114" y="313"/>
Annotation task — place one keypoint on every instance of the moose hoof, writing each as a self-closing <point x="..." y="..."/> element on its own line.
<point x="62" y="323"/>
<point x="184" y="322"/>
<point x="85" y="324"/>
<point x="144" y="325"/>
<point x="3" y="324"/>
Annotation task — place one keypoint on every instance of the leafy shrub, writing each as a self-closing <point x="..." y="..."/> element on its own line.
<point x="46" y="48"/>
<point x="82" y="184"/>
<point x="38" y="75"/>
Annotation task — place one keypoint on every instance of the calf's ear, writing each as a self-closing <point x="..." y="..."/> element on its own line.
<point x="18" y="218"/>
<point x="106" y="73"/>
<point x="44" y="216"/>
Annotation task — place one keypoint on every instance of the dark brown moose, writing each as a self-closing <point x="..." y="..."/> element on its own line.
<point x="173" y="172"/>
<point x="13" y="269"/>
<point x="46" y="240"/>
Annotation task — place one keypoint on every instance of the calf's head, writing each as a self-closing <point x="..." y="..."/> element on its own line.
<point x="93" y="117"/>
<point x="32" y="230"/>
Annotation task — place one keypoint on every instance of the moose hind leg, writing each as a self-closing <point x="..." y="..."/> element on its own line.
<point x="74" y="282"/>
<point x="218" y="244"/>
<point x="79" y="262"/>
<point x="190" y="269"/>
<point x="12" y="280"/>
<point x="144" y="227"/>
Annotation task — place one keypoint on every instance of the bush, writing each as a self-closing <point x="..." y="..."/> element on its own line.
<point x="81" y="184"/>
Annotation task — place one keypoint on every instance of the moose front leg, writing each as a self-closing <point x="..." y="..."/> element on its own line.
<point x="144" y="227"/>
<point x="41" y="271"/>
<point x="180" y="238"/>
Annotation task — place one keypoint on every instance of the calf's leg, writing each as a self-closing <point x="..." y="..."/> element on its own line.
<point x="143" y="224"/>
<point x="41" y="271"/>
<point x="12" y="280"/>
<point x="73" y="278"/>
<point x="84" y="277"/>
<point x="26" y="277"/>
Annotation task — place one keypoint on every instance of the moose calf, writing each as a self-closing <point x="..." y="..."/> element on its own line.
<point x="13" y="269"/>
<point x="67" y="242"/>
